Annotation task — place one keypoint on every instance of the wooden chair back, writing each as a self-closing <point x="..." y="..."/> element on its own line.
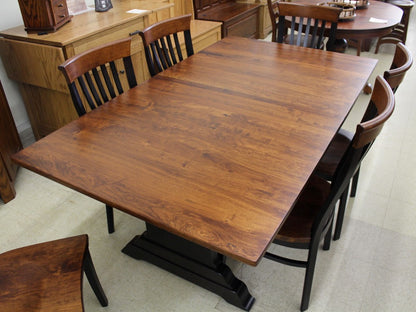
<point x="402" y="61"/>
<point x="160" y="51"/>
<point x="94" y="75"/>
<point x="378" y="111"/>
<point x="307" y="25"/>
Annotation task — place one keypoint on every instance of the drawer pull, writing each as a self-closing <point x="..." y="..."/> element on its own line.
<point x="60" y="5"/>
<point x="62" y="16"/>
<point x="121" y="71"/>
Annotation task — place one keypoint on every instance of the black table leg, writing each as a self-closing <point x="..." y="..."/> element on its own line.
<point x="191" y="262"/>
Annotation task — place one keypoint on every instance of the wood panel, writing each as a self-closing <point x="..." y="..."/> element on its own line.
<point x="47" y="109"/>
<point x="264" y="22"/>
<point x="33" y="63"/>
<point x="9" y="144"/>
<point x="117" y="32"/>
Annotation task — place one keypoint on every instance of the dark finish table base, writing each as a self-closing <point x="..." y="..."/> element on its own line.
<point x="191" y="262"/>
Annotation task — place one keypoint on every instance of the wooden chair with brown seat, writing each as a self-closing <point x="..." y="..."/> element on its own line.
<point x="307" y="25"/>
<point x="312" y="216"/>
<point x="162" y="45"/>
<point x="48" y="276"/>
<point x="96" y="76"/>
<point x="402" y="62"/>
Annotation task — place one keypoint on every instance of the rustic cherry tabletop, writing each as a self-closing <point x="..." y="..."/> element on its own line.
<point x="216" y="149"/>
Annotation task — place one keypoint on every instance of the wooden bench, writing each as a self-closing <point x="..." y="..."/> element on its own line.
<point x="238" y="18"/>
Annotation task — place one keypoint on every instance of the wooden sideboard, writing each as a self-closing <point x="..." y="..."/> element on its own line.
<point x="264" y="24"/>
<point x="32" y="60"/>
<point x="9" y="144"/>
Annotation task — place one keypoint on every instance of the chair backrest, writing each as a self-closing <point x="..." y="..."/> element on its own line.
<point x="274" y="17"/>
<point x="307" y="24"/>
<point x="159" y="49"/>
<point x="96" y="73"/>
<point x="379" y="110"/>
<point x="402" y="61"/>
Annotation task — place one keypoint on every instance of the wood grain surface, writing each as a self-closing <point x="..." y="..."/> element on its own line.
<point x="215" y="149"/>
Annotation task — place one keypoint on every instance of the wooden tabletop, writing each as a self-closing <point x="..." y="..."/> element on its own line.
<point x="215" y="149"/>
<point x="361" y="26"/>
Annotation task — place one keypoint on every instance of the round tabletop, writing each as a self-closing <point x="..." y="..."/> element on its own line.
<point x="376" y="20"/>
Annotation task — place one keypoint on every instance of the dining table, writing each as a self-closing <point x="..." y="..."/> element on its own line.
<point x="212" y="153"/>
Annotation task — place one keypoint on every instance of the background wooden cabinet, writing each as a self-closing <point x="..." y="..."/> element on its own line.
<point x="9" y="144"/>
<point x="44" y="15"/>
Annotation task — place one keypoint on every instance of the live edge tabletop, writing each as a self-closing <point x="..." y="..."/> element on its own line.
<point x="216" y="149"/>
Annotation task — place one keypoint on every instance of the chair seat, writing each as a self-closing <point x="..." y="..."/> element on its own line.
<point x="337" y="148"/>
<point x="297" y="228"/>
<point x="43" y="277"/>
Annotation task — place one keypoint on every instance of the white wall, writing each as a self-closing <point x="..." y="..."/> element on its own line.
<point x="10" y="16"/>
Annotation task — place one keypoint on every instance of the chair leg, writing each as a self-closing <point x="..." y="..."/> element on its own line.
<point x="328" y="235"/>
<point x="93" y="279"/>
<point x="110" y="218"/>
<point x="341" y="213"/>
<point x="354" y="183"/>
<point x="378" y="45"/>
<point x="307" y="285"/>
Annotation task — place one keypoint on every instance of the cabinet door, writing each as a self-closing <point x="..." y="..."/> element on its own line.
<point x="9" y="144"/>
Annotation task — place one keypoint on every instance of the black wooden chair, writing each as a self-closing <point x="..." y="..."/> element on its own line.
<point x="312" y="216"/>
<point x="162" y="44"/>
<point x="402" y="62"/>
<point x="48" y="276"/>
<point x="96" y="76"/>
<point x="307" y="25"/>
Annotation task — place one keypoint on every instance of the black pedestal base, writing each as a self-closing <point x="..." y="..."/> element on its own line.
<point x="191" y="262"/>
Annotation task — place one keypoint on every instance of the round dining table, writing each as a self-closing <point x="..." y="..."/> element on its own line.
<point x="373" y="21"/>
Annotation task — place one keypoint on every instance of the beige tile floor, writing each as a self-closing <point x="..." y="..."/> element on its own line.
<point x="372" y="267"/>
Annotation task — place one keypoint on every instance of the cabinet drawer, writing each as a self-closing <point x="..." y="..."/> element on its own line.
<point x="115" y="33"/>
<point x="59" y="11"/>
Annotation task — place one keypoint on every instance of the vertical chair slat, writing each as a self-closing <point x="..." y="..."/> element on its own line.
<point x="299" y="34"/>
<point x="308" y="27"/>
<point x="92" y="88"/>
<point x="107" y="80"/>
<point x="188" y="43"/>
<point x="76" y="99"/>
<point x="99" y="84"/>
<point x="314" y="34"/>
<point x="86" y="92"/>
<point x="321" y="33"/>
<point x="116" y="77"/>
<point x="131" y="78"/>
<point x="165" y="52"/>
<point x="160" y="53"/>
<point x="171" y="50"/>
<point x="178" y="46"/>
<point x="156" y="58"/>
